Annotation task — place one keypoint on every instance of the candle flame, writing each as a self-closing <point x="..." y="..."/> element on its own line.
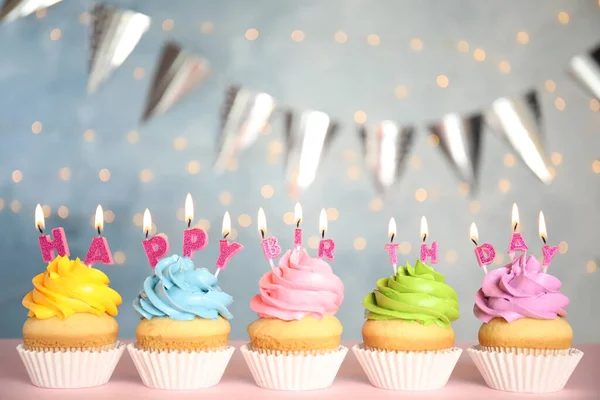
<point x="542" y="227"/>
<point x="473" y="233"/>
<point x="189" y="209"/>
<point x="515" y="216"/>
<point x="147" y="222"/>
<point x="40" y="224"/>
<point x="392" y="228"/>
<point x="424" y="228"/>
<point x="262" y="222"/>
<point x="323" y="222"/>
<point x="298" y="214"/>
<point x="99" y="224"/>
<point x="226" y="229"/>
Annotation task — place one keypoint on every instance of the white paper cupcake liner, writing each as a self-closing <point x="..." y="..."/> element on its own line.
<point x="179" y="370"/>
<point x="70" y="369"/>
<point x="397" y="370"/>
<point x="293" y="371"/>
<point x="525" y="373"/>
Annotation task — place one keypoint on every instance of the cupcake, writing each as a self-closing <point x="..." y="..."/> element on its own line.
<point x="524" y="342"/>
<point x="183" y="334"/>
<point x="295" y="343"/>
<point x="408" y="342"/>
<point x="71" y="323"/>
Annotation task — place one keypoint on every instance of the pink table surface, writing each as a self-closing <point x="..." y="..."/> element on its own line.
<point x="351" y="382"/>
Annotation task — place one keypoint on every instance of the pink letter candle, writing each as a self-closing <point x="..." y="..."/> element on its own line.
<point x="517" y="243"/>
<point x="485" y="253"/>
<point x="226" y="249"/>
<point x="155" y="247"/>
<point x="50" y="245"/>
<point x="326" y="246"/>
<point x="99" y="250"/>
<point x="426" y="251"/>
<point x="549" y="251"/>
<point x="194" y="239"/>
<point x="391" y="247"/>
<point x="270" y="245"/>
<point x="298" y="231"/>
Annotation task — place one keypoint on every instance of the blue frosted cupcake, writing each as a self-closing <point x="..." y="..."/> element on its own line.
<point x="183" y="335"/>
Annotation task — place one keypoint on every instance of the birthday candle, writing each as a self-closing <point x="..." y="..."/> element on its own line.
<point x="298" y="231"/>
<point x="270" y="245"/>
<point x="226" y="249"/>
<point x="99" y="250"/>
<point x="194" y="239"/>
<point x="485" y="253"/>
<point x="392" y="247"/>
<point x="326" y="246"/>
<point x="549" y="251"/>
<point x="155" y="247"/>
<point x="49" y="245"/>
<point x="425" y="251"/>
<point x="517" y="243"/>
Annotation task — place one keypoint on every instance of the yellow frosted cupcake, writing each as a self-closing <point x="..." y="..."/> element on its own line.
<point x="71" y="318"/>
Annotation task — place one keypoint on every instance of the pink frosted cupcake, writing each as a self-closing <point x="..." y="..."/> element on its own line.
<point x="295" y="343"/>
<point x="524" y="342"/>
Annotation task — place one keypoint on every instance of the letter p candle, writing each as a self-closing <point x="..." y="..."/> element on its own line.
<point x="194" y="239"/>
<point x="155" y="247"/>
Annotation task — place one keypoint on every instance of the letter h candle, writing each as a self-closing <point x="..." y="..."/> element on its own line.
<point x="47" y="245"/>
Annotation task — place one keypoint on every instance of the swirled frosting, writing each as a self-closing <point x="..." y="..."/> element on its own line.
<point x="413" y="294"/>
<point x="69" y="287"/>
<point x="298" y="287"/>
<point x="179" y="291"/>
<point x="520" y="290"/>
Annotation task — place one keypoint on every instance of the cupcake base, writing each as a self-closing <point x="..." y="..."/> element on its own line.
<point x="180" y="370"/>
<point x="70" y="369"/>
<point x="293" y="371"/>
<point x="399" y="370"/>
<point x="523" y="371"/>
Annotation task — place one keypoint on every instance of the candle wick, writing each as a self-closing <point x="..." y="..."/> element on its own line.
<point x="544" y="239"/>
<point x="99" y="233"/>
<point x="323" y="234"/>
<point x="262" y="233"/>
<point x="515" y="227"/>
<point x="474" y="241"/>
<point x="189" y="223"/>
<point x="392" y="237"/>
<point x="225" y="235"/>
<point x="424" y="237"/>
<point x="147" y="233"/>
<point x="40" y="229"/>
<point x="298" y="224"/>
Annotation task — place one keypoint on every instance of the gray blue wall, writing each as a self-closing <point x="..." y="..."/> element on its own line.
<point x="44" y="80"/>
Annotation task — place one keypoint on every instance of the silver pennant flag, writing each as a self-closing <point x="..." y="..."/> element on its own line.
<point x="386" y="146"/>
<point x="460" y="140"/>
<point x="114" y="35"/>
<point x="179" y="72"/>
<point x="15" y="9"/>
<point x="307" y="139"/>
<point x="244" y="115"/>
<point x="585" y="69"/>
<point x="518" y="120"/>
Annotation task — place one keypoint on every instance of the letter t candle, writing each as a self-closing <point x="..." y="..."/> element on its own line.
<point x="392" y="247"/>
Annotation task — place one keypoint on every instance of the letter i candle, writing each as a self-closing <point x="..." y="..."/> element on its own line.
<point x="391" y="247"/>
<point x="486" y="253"/>
<point x="194" y="239"/>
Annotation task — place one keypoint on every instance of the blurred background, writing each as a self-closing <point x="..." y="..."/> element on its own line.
<point x="357" y="61"/>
